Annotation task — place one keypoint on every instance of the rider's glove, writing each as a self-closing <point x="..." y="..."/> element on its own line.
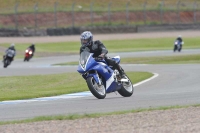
<point x="102" y="56"/>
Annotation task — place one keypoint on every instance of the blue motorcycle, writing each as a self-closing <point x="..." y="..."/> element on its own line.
<point x="101" y="78"/>
<point x="177" y="46"/>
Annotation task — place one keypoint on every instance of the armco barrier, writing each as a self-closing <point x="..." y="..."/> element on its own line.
<point x="168" y="27"/>
<point x="63" y="31"/>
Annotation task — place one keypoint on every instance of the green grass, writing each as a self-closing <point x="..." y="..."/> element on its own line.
<point x="178" y="59"/>
<point x="67" y="63"/>
<point x="112" y="46"/>
<point x="94" y="115"/>
<point x="24" y="87"/>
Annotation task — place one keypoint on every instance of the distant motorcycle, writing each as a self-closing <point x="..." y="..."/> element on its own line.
<point x="8" y="57"/>
<point x="28" y="54"/>
<point x="101" y="78"/>
<point x="177" y="46"/>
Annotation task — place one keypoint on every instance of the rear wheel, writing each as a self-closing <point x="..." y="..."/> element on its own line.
<point x="127" y="88"/>
<point x="180" y="47"/>
<point x="98" y="91"/>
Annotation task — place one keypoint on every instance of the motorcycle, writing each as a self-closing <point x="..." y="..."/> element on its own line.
<point x="177" y="46"/>
<point x="28" y="54"/>
<point x="8" y="58"/>
<point x="101" y="78"/>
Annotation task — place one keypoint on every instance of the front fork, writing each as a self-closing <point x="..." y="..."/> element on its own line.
<point x="98" y="79"/>
<point x="95" y="76"/>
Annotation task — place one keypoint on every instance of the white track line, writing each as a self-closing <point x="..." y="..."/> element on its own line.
<point x="144" y="81"/>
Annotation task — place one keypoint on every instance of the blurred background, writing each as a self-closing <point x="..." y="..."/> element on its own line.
<point x="50" y="17"/>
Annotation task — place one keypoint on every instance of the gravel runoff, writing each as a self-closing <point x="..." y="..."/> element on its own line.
<point x="183" y="120"/>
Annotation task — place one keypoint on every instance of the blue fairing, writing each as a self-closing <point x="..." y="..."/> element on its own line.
<point x="113" y="87"/>
<point x="178" y="42"/>
<point x="117" y="59"/>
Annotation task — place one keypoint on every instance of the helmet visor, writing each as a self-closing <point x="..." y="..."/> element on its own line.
<point x="85" y="42"/>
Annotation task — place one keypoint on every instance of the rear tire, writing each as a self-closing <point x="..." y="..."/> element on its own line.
<point x="126" y="89"/>
<point x="98" y="91"/>
<point x="180" y="48"/>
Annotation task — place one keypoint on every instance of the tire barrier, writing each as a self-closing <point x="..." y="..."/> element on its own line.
<point x="8" y="32"/>
<point x="168" y="27"/>
<point x="63" y="31"/>
<point x="97" y="30"/>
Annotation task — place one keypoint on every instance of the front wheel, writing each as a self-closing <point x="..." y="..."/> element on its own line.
<point x="6" y="63"/>
<point x="175" y="47"/>
<point x="127" y="88"/>
<point x="98" y="91"/>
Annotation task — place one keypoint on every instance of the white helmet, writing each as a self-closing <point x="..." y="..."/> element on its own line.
<point x="86" y="38"/>
<point x="179" y="36"/>
<point x="12" y="45"/>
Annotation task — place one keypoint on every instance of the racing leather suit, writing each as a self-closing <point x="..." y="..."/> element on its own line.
<point x="98" y="48"/>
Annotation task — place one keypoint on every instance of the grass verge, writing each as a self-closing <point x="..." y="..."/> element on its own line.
<point x="180" y="59"/>
<point x="111" y="45"/>
<point x="25" y="87"/>
<point x="94" y="115"/>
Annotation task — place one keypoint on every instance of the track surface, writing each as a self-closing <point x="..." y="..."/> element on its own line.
<point x="175" y="85"/>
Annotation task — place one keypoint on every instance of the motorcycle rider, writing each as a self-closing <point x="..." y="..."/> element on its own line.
<point x="32" y="47"/>
<point x="12" y="47"/>
<point x="179" y="38"/>
<point x="99" y="50"/>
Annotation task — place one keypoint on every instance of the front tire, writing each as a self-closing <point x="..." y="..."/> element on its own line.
<point x="6" y="63"/>
<point x="127" y="88"/>
<point x="5" y="66"/>
<point x="175" y="47"/>
<point x="98" y="91"/>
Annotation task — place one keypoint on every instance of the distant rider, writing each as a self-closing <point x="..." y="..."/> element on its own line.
<point x="12" y="47"/>
<point x="32" y="47"/>
<point x="179" y="38"/>
<point x="99" y="50"/>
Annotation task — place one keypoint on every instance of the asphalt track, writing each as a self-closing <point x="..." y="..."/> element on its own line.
<point x="175" y="85"/>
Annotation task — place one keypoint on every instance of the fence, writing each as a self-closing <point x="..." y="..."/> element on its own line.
<point x="38" y="17"/>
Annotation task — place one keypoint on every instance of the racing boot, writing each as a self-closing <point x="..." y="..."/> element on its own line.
<point x="121" y="72"/>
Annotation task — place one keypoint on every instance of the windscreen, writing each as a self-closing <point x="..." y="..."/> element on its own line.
<point x="10" y="53"/>
<point x="84" y="56"/>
